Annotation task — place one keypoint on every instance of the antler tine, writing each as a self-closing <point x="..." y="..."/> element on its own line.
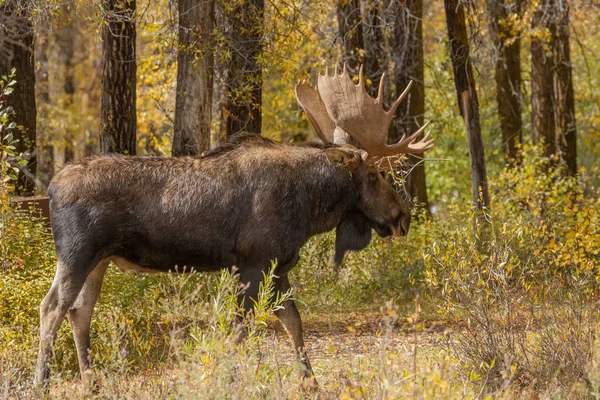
<point x="380" y="92"/>
<point x="392" y="110"/>
<point x="345" y="71"/>
<point x="410" y="145"/>
<point x="361" y="81"/>
<point x="422" y="145"/>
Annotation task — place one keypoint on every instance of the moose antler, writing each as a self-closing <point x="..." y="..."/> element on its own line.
<point x="340" y="104"/>
<point x="315" y="110"/>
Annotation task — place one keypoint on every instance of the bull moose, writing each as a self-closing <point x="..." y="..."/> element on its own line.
<point x="244" y="204"/>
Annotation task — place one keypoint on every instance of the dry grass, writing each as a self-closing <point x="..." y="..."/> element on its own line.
<point x="513" y="315"/>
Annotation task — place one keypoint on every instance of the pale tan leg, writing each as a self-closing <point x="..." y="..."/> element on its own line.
<point x="61" y="296"/>
<point x="80" y="318"/>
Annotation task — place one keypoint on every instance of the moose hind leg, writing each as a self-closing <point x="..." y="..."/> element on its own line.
<point x="80" y="318"/>
<point x="289" y="316"/>
<point x="65" y="288"/>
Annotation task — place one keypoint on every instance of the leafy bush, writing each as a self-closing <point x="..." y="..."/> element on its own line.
<point x="10" y="160"/>
<point x="520" y="308"/>
<point x="527" y="298"/>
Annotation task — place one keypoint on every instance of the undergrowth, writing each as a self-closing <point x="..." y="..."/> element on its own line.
<point x="517" y="306"/>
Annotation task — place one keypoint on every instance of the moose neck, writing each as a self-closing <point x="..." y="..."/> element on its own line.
<point x="332" y="196"/>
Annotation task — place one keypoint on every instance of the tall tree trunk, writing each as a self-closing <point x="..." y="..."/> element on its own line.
<point x="466" y="95"/>
<point x="407" y="54"/>
<point x="64" y="140"/>
<point x="45" y="167"/>
<point x="193" y="110"/>
<point x="16" y="51"/>
<point x="507" y="74"/>
<point x="565" y="102"/>
<point x="350" y="28"/>
<point x="361" y="29"/>
<point x="542" y="85"/>
<point x="376" y="57"/>
<point x="242" y="110"/>
<point x="118" y="119"/>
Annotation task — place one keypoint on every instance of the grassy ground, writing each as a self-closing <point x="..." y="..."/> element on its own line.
<point x="509" y="309"/>
<point x="354" y="355"/>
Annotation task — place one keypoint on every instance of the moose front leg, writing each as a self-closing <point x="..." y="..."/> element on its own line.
<point x="290" y="319"/>
<point x="251" y="279"/>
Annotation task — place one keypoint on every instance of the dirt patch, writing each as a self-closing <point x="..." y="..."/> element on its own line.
<point x="358" y="334"/>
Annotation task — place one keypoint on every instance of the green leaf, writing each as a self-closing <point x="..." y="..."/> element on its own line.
<point x="12" y="125"/>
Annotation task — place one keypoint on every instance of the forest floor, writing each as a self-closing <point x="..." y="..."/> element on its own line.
<point x="356" y="334"/>
<point x="355" y="355"/>
<point x="345" y="350"/>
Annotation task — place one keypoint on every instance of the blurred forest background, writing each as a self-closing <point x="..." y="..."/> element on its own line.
<point x="506" y="306"/>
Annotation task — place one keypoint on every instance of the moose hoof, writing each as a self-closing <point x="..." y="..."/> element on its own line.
<point x="310" y="382"/>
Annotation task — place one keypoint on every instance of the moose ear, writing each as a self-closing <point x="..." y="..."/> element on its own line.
<point x="342" y="158"/>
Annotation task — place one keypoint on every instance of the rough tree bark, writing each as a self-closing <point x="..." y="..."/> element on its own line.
<point x="45" y="166"/>
<point x="16" y="51"/>
<point x="193" y="110"/>
<point x="350" y="28"/>
<point x="118" y="119"/>
<point x="466" y="94"/>
<point x="565" y="102"/>
<point x="552" y="99"/>
<point x="542" y="85"/>
<point x="242" y="109"/>
<point x="376" y="55"/>
<point x="507" y="74"/>
<point x="407" y="54"/>
<point x="64" y="148"/>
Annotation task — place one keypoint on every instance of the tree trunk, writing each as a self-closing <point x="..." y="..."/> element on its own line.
<point x="193" y="110"/>
<point x="407" y="54"/>
<point x="466" y="94"/>
<point x="350" y="27"/>
<point x="376" y="57"/>
<point x="118" y="119"/>
<point x="45" y="166"/>
<point x="565" y="102"/>
<point x="64" y="139"/>
<point x="507" y="74"/>
<point x="16" y="51"/>
<point x="242" y="111"/>
<point x="542" y="86"/>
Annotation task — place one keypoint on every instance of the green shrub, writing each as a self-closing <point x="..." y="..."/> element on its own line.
<point x="527" y="298"/>
<point x="521" y="308"/>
